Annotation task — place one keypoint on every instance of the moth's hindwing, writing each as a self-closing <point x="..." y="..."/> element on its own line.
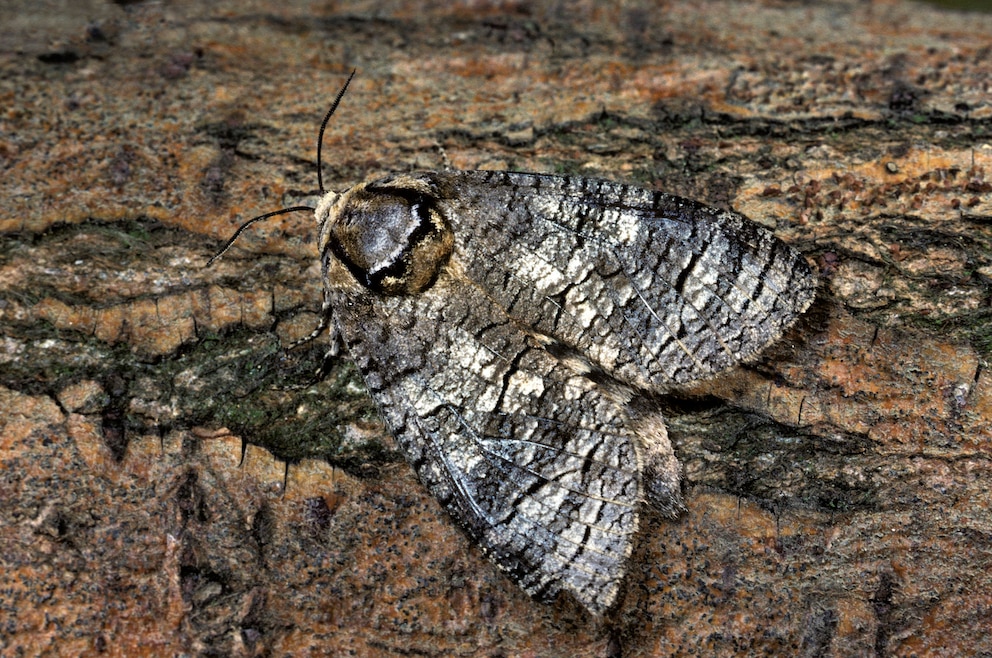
<point x="504" y="322"/>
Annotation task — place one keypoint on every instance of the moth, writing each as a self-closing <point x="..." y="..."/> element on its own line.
<point x="512" y="328"/>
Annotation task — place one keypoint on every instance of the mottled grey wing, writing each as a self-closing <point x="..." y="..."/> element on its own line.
<point x="536" y="462"/>
<point x="655" y="289"/>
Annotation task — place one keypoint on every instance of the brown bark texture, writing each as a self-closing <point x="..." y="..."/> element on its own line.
<point x="172" y="482"/>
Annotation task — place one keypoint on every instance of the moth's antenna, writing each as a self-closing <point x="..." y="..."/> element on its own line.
<point x="241" y="229"/>
<point x="323" y="124"/>
<point x="320" y="179"/>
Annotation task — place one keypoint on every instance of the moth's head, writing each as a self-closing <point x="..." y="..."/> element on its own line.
<point x="390" y="234"/>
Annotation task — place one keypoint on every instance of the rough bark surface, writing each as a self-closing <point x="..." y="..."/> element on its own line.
<point x="838" y="489"/>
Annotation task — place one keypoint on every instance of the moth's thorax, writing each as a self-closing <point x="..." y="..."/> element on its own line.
<point x="390" y="234"/>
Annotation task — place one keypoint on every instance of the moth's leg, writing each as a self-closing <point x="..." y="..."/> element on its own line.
<point x="326" y="320"/>
<point x="445" y="162"/>
<point x="337" y="342"/>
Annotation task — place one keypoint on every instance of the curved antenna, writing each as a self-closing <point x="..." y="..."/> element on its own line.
<point x="241" y="229"/>
<point x="323" y="124"/>
<point x="320" y="179"/>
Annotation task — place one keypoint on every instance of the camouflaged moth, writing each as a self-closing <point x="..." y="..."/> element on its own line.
<point x="508" y="326"/>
